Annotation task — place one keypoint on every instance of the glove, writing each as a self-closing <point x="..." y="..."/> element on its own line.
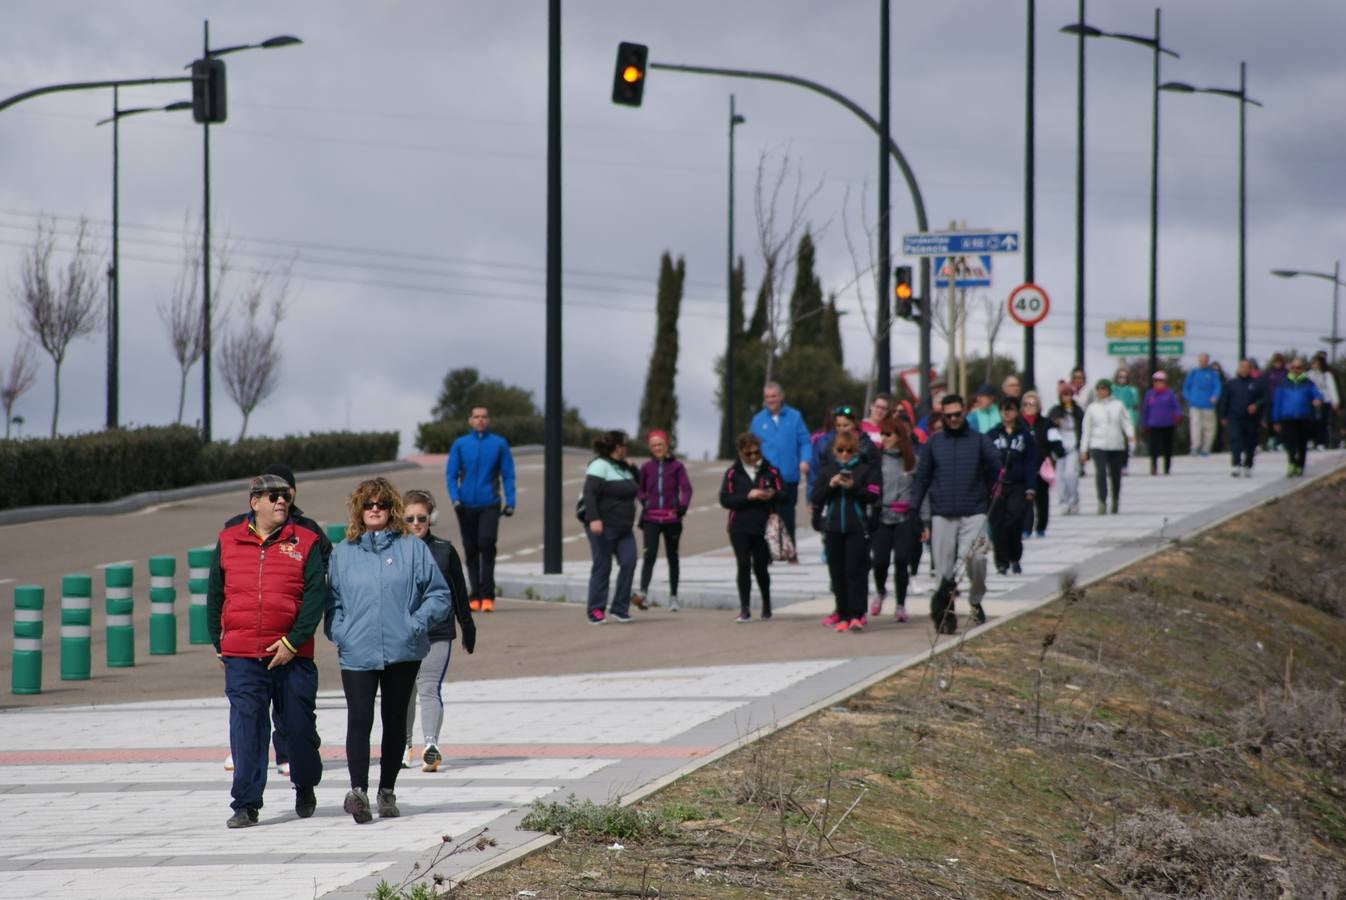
<point x="470" y="638"/>
<point x="458" y="505"/>
<point x="507" y="511"/>
<point x="682" y="511"/>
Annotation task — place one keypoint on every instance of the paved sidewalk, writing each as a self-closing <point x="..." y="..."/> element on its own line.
<point x="129" y="800"/>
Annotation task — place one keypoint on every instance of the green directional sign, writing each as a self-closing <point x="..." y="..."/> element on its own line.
<point x="1142" y="348"/>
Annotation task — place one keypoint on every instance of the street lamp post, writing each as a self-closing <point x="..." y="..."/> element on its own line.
<point x="730" y="410"/>
<point x="1083" y="30"/>
<point x="283" y="40"/>
<point x="1079" y="196"/>
<point x="1335" y="278"/>
<point x="114" y="270"/>
<point x="1241" y="94"/>
<point x="1029" y="379"/>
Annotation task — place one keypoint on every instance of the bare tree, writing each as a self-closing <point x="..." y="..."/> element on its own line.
<point x="57" y="307"/>
<point x="20" y="377"/>
<point x="863" y="271"/>
<point x="250" y="354"/>
<point x="181" y="315"/>
<point x="778" y="240"/>
<point x="995" y="318"/>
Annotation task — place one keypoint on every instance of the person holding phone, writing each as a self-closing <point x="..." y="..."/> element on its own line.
<point x="845" y="488"/>
<point x="749" y="491"/>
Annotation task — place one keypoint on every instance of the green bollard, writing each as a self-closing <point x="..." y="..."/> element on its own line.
<point x="163" y="620"/>
<point x="336" y="532"/>
<point x="198" y="584"/>
<point x="121" y="633"/>
<point x="76" y="627"/>
<point x="27" y="672"/>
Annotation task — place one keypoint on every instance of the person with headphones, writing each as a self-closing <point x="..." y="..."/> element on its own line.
<point x="420" y="513"/>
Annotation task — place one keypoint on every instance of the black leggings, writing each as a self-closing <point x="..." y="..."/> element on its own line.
<point x="398" y="681"/>
<point x="1161" y="446"/>
<point x="1007" y="524"/>
<point x="1108" y="471"/>
<point x="848" y="564"/>
<point x="893" y="543"/>
<point x="1295" y="435"/>
<point x="671" y="532"/>
<point x="751" y="550"/>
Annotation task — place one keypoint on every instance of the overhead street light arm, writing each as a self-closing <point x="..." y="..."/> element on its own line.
<point x="1291" y="273"/>
<point x="134" y="111"/>
<point x="281" y="40"/>
<point x="1182" y="87"/>
<point x="1079" y="28"/>
<point x="86" y="86"/>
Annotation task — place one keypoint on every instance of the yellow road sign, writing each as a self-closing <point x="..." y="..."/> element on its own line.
<point x="1121" y="329"/>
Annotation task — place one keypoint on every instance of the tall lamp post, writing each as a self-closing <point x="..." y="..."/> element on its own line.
<point x="114" y="270"/>
<point x="283" y="40"/>
<point x="1084" y="30"/>
<point x="1029" y="140"/>
<point x="1335" y="278"/>
<point x="730" y="410"/>
<point x="1240" y="94"/>
<point x="1080" y="33"/>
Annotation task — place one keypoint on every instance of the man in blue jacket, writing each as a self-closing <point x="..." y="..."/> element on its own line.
<point x="785" y="444"/>
<point x="479" y="462"/>
<point x="1292" y="408"/>
<point x="958" y="468"/>
<point x="1242" y="405"/>
<point x="1201" y="390"/>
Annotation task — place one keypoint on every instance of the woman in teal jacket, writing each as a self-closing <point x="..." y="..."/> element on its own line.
<point x="384" y="594"/>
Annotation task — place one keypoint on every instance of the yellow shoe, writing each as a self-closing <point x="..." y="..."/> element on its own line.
<point x="474" y="604"/>
<point x="487" y="604"/>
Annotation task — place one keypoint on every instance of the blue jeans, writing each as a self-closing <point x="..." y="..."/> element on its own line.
<point x="619" y="542"/>
<point x="787" y="500"/>
<point x="252" y="688"/>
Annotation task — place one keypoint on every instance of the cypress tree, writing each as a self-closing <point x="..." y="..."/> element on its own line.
<point x="659" y="407"/>
<point x="806" y="300"/>
<point x="743" y="394"/>
<point x="832" y="331"/>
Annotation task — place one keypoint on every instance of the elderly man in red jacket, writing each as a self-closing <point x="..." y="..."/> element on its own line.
<point x="266" y="598"/>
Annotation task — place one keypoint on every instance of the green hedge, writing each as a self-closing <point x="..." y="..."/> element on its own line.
<point x="107" y="465"/>
<point x="437" y="437"/>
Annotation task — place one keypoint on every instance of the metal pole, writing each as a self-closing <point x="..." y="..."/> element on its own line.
<point x="1336" y="294"/>
<point x="1079" y="197"/>
<point x="205" y="254"/>
<point x="114" y="280"/>
<point x="883" y="350"/>
<point x="924" y="376"/>
<point x="1154" y="208"/>
<point x="1028" y="379"/>
<point x="551" y="505"/>
<point x="1243" y="212"/>
<point x="730" y="410"/>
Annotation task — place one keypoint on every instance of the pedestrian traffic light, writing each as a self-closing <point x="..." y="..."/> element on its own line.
<point x="628" y="82"/>
<point x="208" y="94"/>
<point x="906" y="305"/>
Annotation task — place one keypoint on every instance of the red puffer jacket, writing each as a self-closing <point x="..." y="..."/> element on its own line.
<point x="261" y="592"/>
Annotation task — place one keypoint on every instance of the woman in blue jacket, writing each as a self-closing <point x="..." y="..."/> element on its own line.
<point x="385" y="593"/>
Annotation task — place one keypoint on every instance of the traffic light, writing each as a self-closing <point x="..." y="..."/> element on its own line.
<point x="906" y="306"/>
<point x="628" y="82"/>
<point x="208" y="97"/>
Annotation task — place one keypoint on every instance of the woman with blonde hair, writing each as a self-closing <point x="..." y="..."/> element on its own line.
<point x="385" y="593"/>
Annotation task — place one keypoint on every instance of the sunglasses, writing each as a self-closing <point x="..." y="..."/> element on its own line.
<point x="843" y="452"/>
<point x="887" y="433"/>
<point x="751" y="454"/>
<point x="415" y="520"/>
<point x="846" y="411"/>
<point x="383" y="505"/>
<point x="273" y="496"/>
<point x="953" y="415"/>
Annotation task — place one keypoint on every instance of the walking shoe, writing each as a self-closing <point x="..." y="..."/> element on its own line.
<point x="474" y="604"/>
<point x="1103" y="507"/>
<point x="901" y="614"/>
<point x="620" y="618"/>
<point x="638" y="601"/>
<point x="857" y="624"/>
<point x="244" y="817"/>
<point x="357" y="805"/>
<point x="1002" y="570"/>
<point x="283" y="768"/>
<point x="978" y="613"/>
<point x="1236" y="472"/>
<point x="431" y="759"/>
<point x="1016" y="568"/>
<point x="229" y="763"/>
<point x="409" y="758"/>
<point x="596" y="617"/>
<point x="304" y="802"/>
<point x="876" y="605"/>
<point x="766" y="615"/>
<point x="793" y="559"/>
<point x="673" y="604"/>
<point x="831" y="620"/>
<point x="843" y="626"/>
<point x="388" y="804"/>
<point x="1041" y="534"/>
<point x="488" y="604"/>
<point x="744" y="616"/>
<point x="1247" y="471"/>
<point x="1113" y="509"/>
<point x="1290" y="471"/>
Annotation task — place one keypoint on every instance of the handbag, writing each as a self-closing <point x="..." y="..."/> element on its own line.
<point x="778" y="541"/>
<point x="1047" y="472"/>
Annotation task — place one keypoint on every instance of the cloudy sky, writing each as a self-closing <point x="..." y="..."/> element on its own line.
<point x="397" y="158"/>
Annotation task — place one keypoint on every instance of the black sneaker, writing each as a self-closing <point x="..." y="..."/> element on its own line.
<point x="244" y="817"/>
<point x="619" y="618"/>
<point x="744" y="616"/>
<point x="304" y="802"/>
<point x="1016" y="568"/>
<point x="388" y="804"/>
<point x="357" y="805"/>
<point x="978" y="613"/>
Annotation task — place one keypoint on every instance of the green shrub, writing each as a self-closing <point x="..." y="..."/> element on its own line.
<point x="437" y="437"/>
<point x="107" y="465"/>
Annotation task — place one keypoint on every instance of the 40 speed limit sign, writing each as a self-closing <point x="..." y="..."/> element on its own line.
<point x="1028" y="304"/>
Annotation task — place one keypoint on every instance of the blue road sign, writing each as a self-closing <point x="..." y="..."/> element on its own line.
<point x="971" y="273"/>
<point x="959" y="243"/>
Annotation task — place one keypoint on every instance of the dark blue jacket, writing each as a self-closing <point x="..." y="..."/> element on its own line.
<point x="958" y="469"/>
<point x="1021" y="465"/>
<point x="1239" y="394"/>
<point x="1294" y="399"/>
<point x="477" y="465"/>
<point x="846" y="508"/>
<point x="451" y="567"/>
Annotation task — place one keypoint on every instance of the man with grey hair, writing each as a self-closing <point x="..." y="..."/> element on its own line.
<point x="1201" y="389"/>
<point x="785" y="444"/>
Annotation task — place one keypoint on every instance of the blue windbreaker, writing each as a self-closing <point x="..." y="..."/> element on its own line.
<point x="1294" y="399"/>
<point x="785" y="443"/>
<point x="1201" y="388"/>
<point x="477" y="464"/>
<point x="384" y="592"/>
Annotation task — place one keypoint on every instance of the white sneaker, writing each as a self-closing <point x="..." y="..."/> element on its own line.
<point x="283" y="769"/>
<point x="409" y="758"/>
<point x="673" y="604"/>
<point x="229" y="763"/>
<point x="1247" y="471"/>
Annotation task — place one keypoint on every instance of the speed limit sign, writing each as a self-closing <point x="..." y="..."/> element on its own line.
<point x="1028" y="304"/>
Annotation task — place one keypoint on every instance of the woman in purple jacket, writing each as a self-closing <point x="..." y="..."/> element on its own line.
<point x="1161" y="414"/>
<point x="665" y="493"/>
